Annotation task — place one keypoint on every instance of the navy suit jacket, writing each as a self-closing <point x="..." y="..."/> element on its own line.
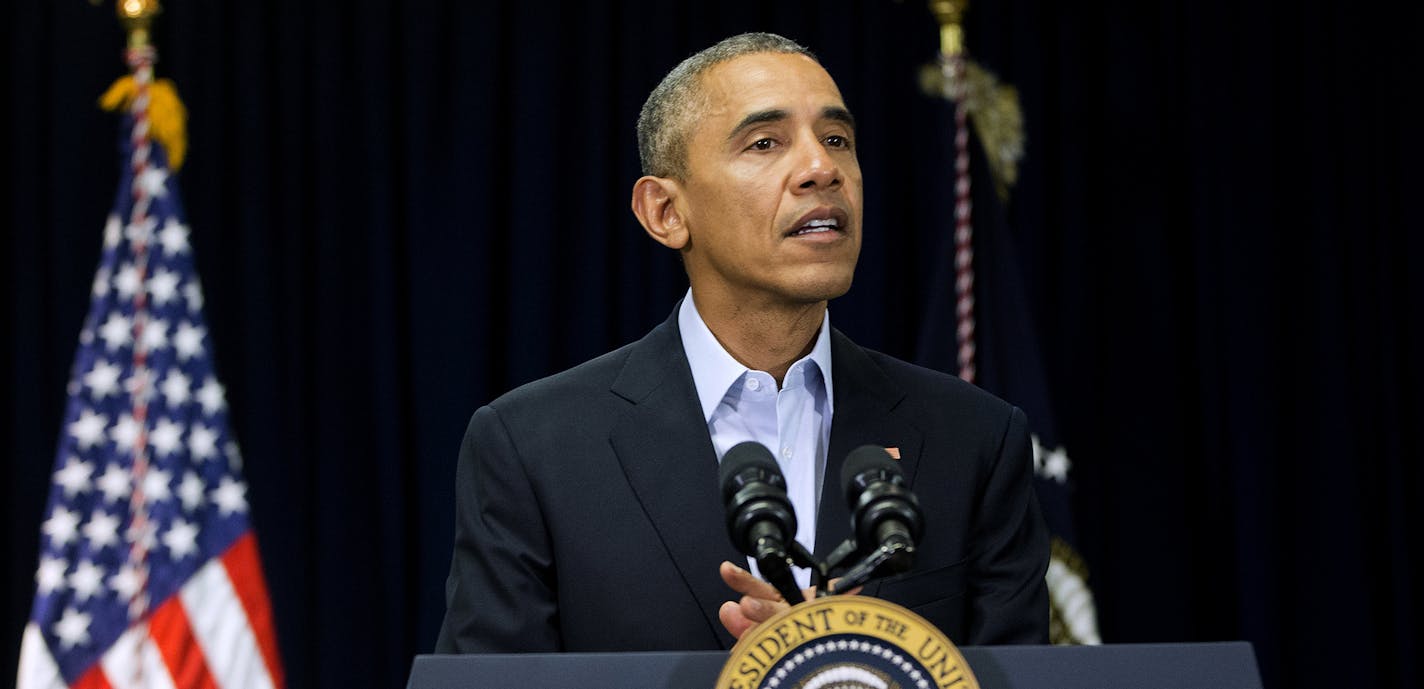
<point x="588" y="516"/>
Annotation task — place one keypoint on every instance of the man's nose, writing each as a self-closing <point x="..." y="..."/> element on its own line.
<point x="816" y="168"/>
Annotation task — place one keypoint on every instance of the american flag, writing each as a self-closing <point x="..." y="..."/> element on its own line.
<point x="148" y="569"/>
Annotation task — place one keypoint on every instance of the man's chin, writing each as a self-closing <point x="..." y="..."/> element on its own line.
<point x="822" y="288"/>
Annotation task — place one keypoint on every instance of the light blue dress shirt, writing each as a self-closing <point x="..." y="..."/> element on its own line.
<point x="794" y="422"/>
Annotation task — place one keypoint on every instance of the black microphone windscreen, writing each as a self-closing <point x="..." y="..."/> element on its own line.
<point x="742" y="456"/>
<point x="862" y="459"/>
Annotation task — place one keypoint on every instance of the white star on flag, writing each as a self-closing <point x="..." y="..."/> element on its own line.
<point x="116" y="332"/>
<point x="61" y="526"/>
<point x="113" y="232"/>
<point x="140" y="232"/>
<point x="230" y="496"/>
<point x="166" y="437"/>
<point x="72" y="629"/>
<point x="101" y="283"/>
<point x="86" y="580"/>
<point x="202" y="442"/>
<point x="74" y="477"/>
<point x="1050" y="464"/>
<point x="174" y="238"/>
<point x="103" y="379"/>
<point x="101" y="530"/>
<point x="1056" y="465"/>
<point x="50" y="576"/>
<point x="191" y="491"/>
<point x="212" y="396"/>
<point x="155" y="335"/>
<point x="126" y="582"/>
<point x="127" y="282"/>
<point x="163" y="286"/>
<point x="188" y="340"/>
<point x="153" y="180"/>
<point x="175" y="388"/>
<point x="155" y="485"/>
<point x="125" y="432"/>
<point x="181" y="539"/>
<point x="114" y="484"/>
<point x="88" y="429"/>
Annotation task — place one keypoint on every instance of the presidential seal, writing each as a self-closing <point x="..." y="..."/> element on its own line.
<point x="846" y="642"/>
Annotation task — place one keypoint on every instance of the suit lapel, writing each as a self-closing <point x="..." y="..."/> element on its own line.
<point x="864" y="415"/>
<point x="667" y="456"/>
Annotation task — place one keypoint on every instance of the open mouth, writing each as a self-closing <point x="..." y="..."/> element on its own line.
<point x="816" y="227"/>
<point x="818" y="222"/>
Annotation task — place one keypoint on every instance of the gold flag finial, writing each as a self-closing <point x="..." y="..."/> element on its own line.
<point x="950" y="14"/>
<point x="137" y="17"/>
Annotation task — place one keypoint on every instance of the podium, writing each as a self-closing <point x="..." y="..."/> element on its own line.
<point x="1224" y="665"/>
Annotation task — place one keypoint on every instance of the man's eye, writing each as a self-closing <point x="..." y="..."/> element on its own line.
<point x="762" y="145"/>
<point x="837" y="141"/>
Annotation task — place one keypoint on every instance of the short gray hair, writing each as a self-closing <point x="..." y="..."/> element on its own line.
<point x="667" y="115"/>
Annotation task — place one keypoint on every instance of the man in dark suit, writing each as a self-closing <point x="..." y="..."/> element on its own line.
<point x="588" y="513"/>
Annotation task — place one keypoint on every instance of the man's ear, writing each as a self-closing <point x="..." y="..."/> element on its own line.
<point x="655" y="204"/>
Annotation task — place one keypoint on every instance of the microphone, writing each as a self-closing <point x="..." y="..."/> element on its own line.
<point x="885" y="515"/>
<point x="760" y="518"/>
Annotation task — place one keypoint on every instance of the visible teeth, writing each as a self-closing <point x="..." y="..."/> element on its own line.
<point x="817" y="226"/>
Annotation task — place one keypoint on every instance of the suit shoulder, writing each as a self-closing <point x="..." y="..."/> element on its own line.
<point x="578" y="385"/>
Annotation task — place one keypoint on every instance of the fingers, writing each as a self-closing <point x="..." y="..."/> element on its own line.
<point x="732" y="618"/>
<point x="741" y="616"/>
<point x="831" y="585"/>
<point x="745" y="583"/>
<point x="759" y="602"/>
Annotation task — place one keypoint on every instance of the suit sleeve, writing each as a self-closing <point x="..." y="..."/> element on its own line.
<point x="500" y="596"/>
<point x="1009" y="602"/>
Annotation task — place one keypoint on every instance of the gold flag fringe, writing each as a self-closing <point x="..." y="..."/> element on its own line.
<point x="167" y="117"/>
<point x="994" y="113"/>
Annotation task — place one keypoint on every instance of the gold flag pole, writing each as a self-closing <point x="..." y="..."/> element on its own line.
<point x="950" y="14"/>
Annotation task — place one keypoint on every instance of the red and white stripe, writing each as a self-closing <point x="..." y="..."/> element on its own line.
<point x="963" y="241"/>
<point x="140" y="529"/>
<point x="215" y="633"/>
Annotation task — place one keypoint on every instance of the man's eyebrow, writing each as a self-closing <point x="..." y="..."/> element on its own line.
<point x="756" y="118"/>
<point x="830" y="112"/>
<point x="839" y="114"/>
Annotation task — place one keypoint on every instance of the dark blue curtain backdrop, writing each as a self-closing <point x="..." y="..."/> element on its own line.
<point x="402" y="209"/>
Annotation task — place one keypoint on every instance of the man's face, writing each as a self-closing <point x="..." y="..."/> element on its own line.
<point x="772" y="196"/>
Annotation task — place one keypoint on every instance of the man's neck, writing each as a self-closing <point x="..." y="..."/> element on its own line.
<point x="762" y="337"/>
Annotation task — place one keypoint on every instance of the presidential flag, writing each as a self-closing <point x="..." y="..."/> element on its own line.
<point x="978" y="322"/>
<point x="148" y="572"/>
